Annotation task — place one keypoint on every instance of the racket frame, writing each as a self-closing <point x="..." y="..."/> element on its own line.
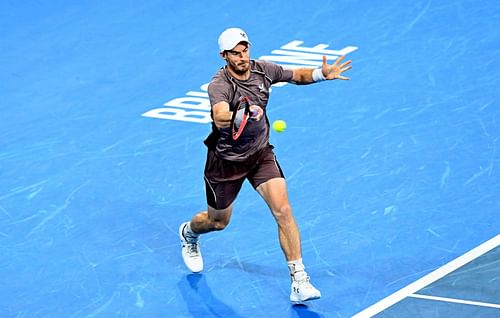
<point x="244" y="120"/>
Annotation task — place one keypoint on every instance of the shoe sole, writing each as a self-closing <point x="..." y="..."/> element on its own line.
<point x="300" y="301"/>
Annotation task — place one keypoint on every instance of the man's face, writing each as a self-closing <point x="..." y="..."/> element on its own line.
<point x="238" y="59"/>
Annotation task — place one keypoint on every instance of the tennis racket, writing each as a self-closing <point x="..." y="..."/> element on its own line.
<point x="240" y="117"/>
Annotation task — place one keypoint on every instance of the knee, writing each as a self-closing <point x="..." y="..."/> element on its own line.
<point x="219" y="225"/>
<point x="219" y="219"/>
<point x="283" y="212"/>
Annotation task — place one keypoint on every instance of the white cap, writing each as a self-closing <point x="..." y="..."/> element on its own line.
<point x="231" y="37"/>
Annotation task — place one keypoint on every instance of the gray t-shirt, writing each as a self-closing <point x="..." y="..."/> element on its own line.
<point x="225" y="88"/>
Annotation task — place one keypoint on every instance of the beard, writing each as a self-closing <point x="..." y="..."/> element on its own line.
<point x="241" y="68"/>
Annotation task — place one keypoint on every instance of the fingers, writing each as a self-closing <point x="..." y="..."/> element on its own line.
<point x="340" y="60"/>
<point x="343" y="65"/>
<point x="344" y="68"/>
<point x="335" y="70"/>
<point x="256" y="112"/>
<point x="348" y="63"/>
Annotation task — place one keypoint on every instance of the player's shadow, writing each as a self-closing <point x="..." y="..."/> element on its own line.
<point x="199" y="298"/>
<point x="303" y="311"/>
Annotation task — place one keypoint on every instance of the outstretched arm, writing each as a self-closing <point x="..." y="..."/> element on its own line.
<point x="327" y="72"/>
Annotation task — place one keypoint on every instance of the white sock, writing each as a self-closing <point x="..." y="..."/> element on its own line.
<point x="297" y="269"/>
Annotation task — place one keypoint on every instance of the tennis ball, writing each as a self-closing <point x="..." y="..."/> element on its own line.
<point x="279" y="125"/>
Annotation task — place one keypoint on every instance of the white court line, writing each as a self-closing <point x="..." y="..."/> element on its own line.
<point x="429" y="278"/>
<point x="454" y="300"/>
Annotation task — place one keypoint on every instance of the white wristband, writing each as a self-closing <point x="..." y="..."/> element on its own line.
<point x="317" y="75"/>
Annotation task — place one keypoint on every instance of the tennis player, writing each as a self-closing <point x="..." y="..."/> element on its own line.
<point x="230" y="162"/>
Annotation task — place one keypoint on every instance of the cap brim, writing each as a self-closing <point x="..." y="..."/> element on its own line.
<point x="235" y="44"/>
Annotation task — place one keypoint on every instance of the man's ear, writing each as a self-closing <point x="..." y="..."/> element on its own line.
<point x="223" y="55"/>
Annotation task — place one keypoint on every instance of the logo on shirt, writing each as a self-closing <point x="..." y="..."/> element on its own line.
<point x="262" y="88"/>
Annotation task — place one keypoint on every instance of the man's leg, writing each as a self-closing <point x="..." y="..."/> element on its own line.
<point x="220" y="197"/>
<point x="189" y="232"/>
<point x="211" y="220"/>
<point x="274" y="193"/>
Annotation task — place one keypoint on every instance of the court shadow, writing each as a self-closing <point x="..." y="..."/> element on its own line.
<point x="199" y="298"/>
<point x="303" y="311"/>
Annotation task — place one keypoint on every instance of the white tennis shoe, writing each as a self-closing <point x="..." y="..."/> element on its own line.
<point x="191" y="253"/>
<point x="302" y="289"/>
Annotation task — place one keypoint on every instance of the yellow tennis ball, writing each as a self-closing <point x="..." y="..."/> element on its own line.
<point x="279" y="125"/>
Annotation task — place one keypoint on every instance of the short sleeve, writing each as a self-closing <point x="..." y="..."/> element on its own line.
<point x="218" y="92"/>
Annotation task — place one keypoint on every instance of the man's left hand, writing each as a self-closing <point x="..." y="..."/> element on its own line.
<point x="256" y="112"/>
<point x="335" y="70"/>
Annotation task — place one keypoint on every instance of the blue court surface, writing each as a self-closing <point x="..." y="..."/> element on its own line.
<point x="394" y="176"/>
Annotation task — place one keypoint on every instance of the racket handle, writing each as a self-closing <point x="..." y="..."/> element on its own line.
<point x="253" y="113"/>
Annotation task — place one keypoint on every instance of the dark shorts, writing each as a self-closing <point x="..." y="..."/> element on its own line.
<point x="223" y="179"/>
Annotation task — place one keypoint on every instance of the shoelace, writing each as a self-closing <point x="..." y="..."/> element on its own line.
<point x="193" y="249"/>
<point x="192" y="244"/>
